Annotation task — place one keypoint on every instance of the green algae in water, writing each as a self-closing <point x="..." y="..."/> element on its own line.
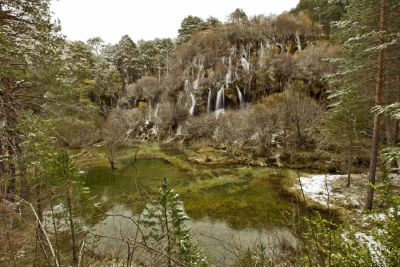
<point x="131" y="185"/>
<point x="242" y="196"/>
<point x="250" y="198"/>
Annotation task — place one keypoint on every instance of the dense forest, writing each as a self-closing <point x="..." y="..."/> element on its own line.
<point x="317" y="87"/>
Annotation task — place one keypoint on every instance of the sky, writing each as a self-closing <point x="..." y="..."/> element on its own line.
<point x="148" y="19"/>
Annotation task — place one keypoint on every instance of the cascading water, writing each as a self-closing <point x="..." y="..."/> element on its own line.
<point x="249" y="46"/>
<point x="156" y="111"/>
<point x="196" y="82"/>
<point x="154" y="130"/>
<point x="243" y="51"/>
<point x="179" y="130"/>
<point x="191" y="110"/>
<point x="298" y="43"/>
<point x="245" y="64"/>
<point x="149" y="112"/>
<point x="228" y="78"/>
<point x="186" y="84"/>
<point x="240" y="97"/>
<point x="219" y="105"/>
<point x="209" y="102"/>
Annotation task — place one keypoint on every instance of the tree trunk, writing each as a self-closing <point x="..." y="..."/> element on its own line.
<point x="71" y="225"/>
<point x="10" y="125"/>
<point x="394" y="141"/>
<point x="11" y="179"/>
<point x="395" y="137"/>
<point x="350" y="163"/>
<point x="298" y="132"/>
<point x="39" y="203"/>
<point x="2" y="172"/>
<point x="377" y="116"/>
<point x="165" y="214"/>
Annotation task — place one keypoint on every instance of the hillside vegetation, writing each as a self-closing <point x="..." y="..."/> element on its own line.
<point x="313" y="88"/>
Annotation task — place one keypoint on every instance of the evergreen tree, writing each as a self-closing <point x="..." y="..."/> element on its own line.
<point x="189" y="25"/>
<point x="96" y="43"/>
<point x="322" y="12"/>
<point x="30" y="65"/>
<point x="165" y="220"/>
<point x="165" y="48"/>
<point x="127" y="60"/>
<point x="76" y="209"/>
<point x="149" y="57"/>
<point x="365" y="65"/>
<point x="79" y="62"/>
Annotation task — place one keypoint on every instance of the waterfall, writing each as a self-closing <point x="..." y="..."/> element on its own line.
<point x="191" y="110"/>
<point x="218" y="113"/>
<point x="245" y="64"/>
<point x="209" y="102"/>
<point x="240" y="97"/>
<point x="233" y="49"/>
<point x="261" y="54"/>
<point x="156" y="111"/>
<point x="179" y="130"/>
<point x="228" y="78"/>
<point x="243" y="51"/>
<point x="154" y="130"/>
<point x="196" y="83"/>
<point x="220" y="94"/>
<point x="186" y="84"/>
<point x="298" y="42"/>
<point x="219" y="105"/>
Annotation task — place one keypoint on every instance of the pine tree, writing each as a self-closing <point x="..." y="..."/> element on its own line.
<point x="364" y="65"/>
<point x="77" y="209"/>
<point x="165" y="220"/>
<point x="30" y="64"/>
<point x="189" y="25"/>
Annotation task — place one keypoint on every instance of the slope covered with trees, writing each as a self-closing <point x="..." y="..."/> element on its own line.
<point x="317" y="87"/>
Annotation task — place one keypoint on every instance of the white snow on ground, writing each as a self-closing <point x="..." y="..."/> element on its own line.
<point x="332" y="189"/>
<point x="350" y="201"/>
<point x="318" y="188"/>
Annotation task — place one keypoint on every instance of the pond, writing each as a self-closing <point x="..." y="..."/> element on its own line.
<point x="229" y="206"/>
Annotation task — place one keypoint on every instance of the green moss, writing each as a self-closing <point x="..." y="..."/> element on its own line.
<point x="243" y="196"/>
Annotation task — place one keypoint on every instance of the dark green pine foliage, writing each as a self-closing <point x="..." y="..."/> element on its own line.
<point x="189" y="25"/>
<point x="365" y="33"/>
<point x="30" y="60"/>
<point x="165" y="221"/>
<point x="322" y="11"/>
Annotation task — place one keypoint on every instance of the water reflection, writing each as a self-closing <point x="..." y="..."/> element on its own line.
<point x="222" y="242"/>
<point x="231" y="207"/>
